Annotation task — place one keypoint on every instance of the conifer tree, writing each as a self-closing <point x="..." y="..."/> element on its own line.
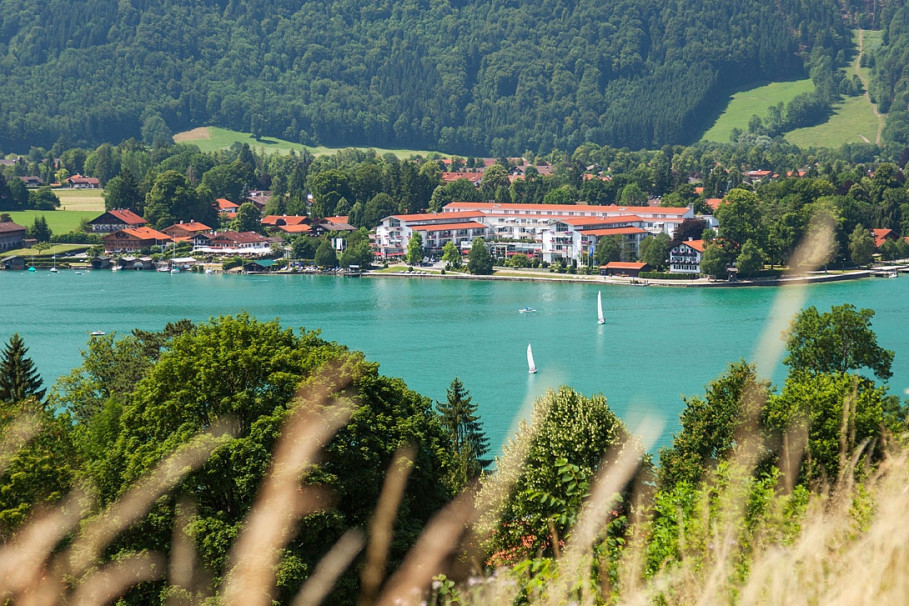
<point x="18" y="377"/>
<point x="460" y="420"/>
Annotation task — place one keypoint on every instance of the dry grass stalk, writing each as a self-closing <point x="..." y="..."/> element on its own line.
<point x="113" y="579"/>
<point x="138" y="500"/>
<point x="332" y="566"/>
<point x="23" y="560"/>
<point x="425" y="559"/>
<point x="616" y="470"/>
<point x="280" y="501"/>
<point x="380" y="531"/>
<point x="183" y="568"/>
<point x="17" y="435"/>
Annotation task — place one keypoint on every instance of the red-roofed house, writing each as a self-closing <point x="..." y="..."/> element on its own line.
<point x="135" y="238"/>
<point x="623" y="268"/>
<point x="186" y="229"/>
<point x="226" y="207"/>
<point x="115" y="220"/>
<point x="474" y="178"/>
<point x="233" y="242"/>
<point x="714" y="203"/>
<point x="882" y="235"/>
<point x="279" y="220"/>
<point x="80" y="182"/>
<point x="11" y="235"/>
<point x="686" y="257"/>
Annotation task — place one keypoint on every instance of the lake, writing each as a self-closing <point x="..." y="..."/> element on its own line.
<point x="657" y="345"/>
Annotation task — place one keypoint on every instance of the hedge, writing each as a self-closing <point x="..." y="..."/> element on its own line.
<point x="75" y="237"/>
<point x="660" y="275"/>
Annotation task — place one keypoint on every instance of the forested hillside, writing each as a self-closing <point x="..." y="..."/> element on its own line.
<point x="468" y="76"/>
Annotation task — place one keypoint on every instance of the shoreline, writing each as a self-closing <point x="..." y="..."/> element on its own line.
<point x="635" y="282"/>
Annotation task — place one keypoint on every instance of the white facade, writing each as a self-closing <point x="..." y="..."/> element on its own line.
<point x="555" y="231"/>
<point x="686" y="257"/>
<point x="436" y="229"/>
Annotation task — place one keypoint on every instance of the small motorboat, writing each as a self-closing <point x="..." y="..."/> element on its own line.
<point x="526" y="310"/>
<point x="97" y="333"/>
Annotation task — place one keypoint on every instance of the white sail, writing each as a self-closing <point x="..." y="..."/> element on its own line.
<point x="600" y="318"/>
<point x="532" y="368"/>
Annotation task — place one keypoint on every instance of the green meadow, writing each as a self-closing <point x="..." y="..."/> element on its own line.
<point x="852" y="122"/>
<point x="746" y="103"/>
<point x="59" y="221"/>
<point x="212" y="138"/>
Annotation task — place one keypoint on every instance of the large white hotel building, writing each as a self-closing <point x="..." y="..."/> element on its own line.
<point x="551" y="231"/>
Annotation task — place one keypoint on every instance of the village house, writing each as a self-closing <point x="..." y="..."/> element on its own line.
<point x="12" y="236"/>
<point x="686" y="257"/>
<point x="131" y="239"/>
<point x="233" y="242"/>
<point x="32" y="181"/>
<point x="115" y="220"/>
<point x="226" y="208"/>
<point x="79" y="182"/>
<point x="186" y="229"/>
<point x="882" y="235"/>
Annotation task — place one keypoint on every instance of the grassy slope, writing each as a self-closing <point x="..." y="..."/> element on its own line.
<point x="60" y="222"/>
<point x="213" y="138"/>
<point x="853" y="121"/>
<point x="745" y="103"/>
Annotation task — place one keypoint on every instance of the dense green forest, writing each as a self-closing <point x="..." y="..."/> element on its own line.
<point x="480" y="76"/>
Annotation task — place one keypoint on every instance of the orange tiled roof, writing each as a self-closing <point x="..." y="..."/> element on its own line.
<point x="127" y="216"/>
<point x="624" y="265"/>
<point x="299" y="228"/>
<point x="698" y="245"/>
<point x="287" y="219"/>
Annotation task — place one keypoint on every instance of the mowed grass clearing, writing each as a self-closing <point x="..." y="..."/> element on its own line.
<point x="59" y="221"/>
<point x="746" y="103"/>
<point x="853" y="122"/>
<point x="81" y="199"/>
<point x="212" y="138"/>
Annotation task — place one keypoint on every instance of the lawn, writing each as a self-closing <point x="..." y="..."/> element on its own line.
<point x="47" y="253"/>
<point x="746" y="103"/>
<point x="212" y="138"/>
<point x="59" y="221"/>
<point x="81" y="199"/>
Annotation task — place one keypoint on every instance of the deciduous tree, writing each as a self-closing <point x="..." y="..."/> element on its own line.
<point x="840" y="340"/>
<point x="479" y="261"/>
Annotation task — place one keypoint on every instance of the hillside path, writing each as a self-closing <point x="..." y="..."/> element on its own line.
<point x="865" y="83"/>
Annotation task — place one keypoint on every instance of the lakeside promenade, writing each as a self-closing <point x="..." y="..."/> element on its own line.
<point x="517" y="275"/>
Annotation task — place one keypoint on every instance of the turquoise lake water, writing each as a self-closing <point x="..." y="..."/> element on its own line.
<point x="657" y="345"/>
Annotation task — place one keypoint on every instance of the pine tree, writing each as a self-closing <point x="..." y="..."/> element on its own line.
<point x="18" y="378"/>
<point x="460" y="420"/>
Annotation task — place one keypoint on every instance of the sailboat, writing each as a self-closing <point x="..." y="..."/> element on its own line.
<point x="600" y="318"/>
<point x="173" y="263"/>
<point x="532" y="368"/>
<point x="54" y="268"/>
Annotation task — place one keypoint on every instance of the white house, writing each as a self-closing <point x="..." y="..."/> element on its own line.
<point x="686" y="257"/>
